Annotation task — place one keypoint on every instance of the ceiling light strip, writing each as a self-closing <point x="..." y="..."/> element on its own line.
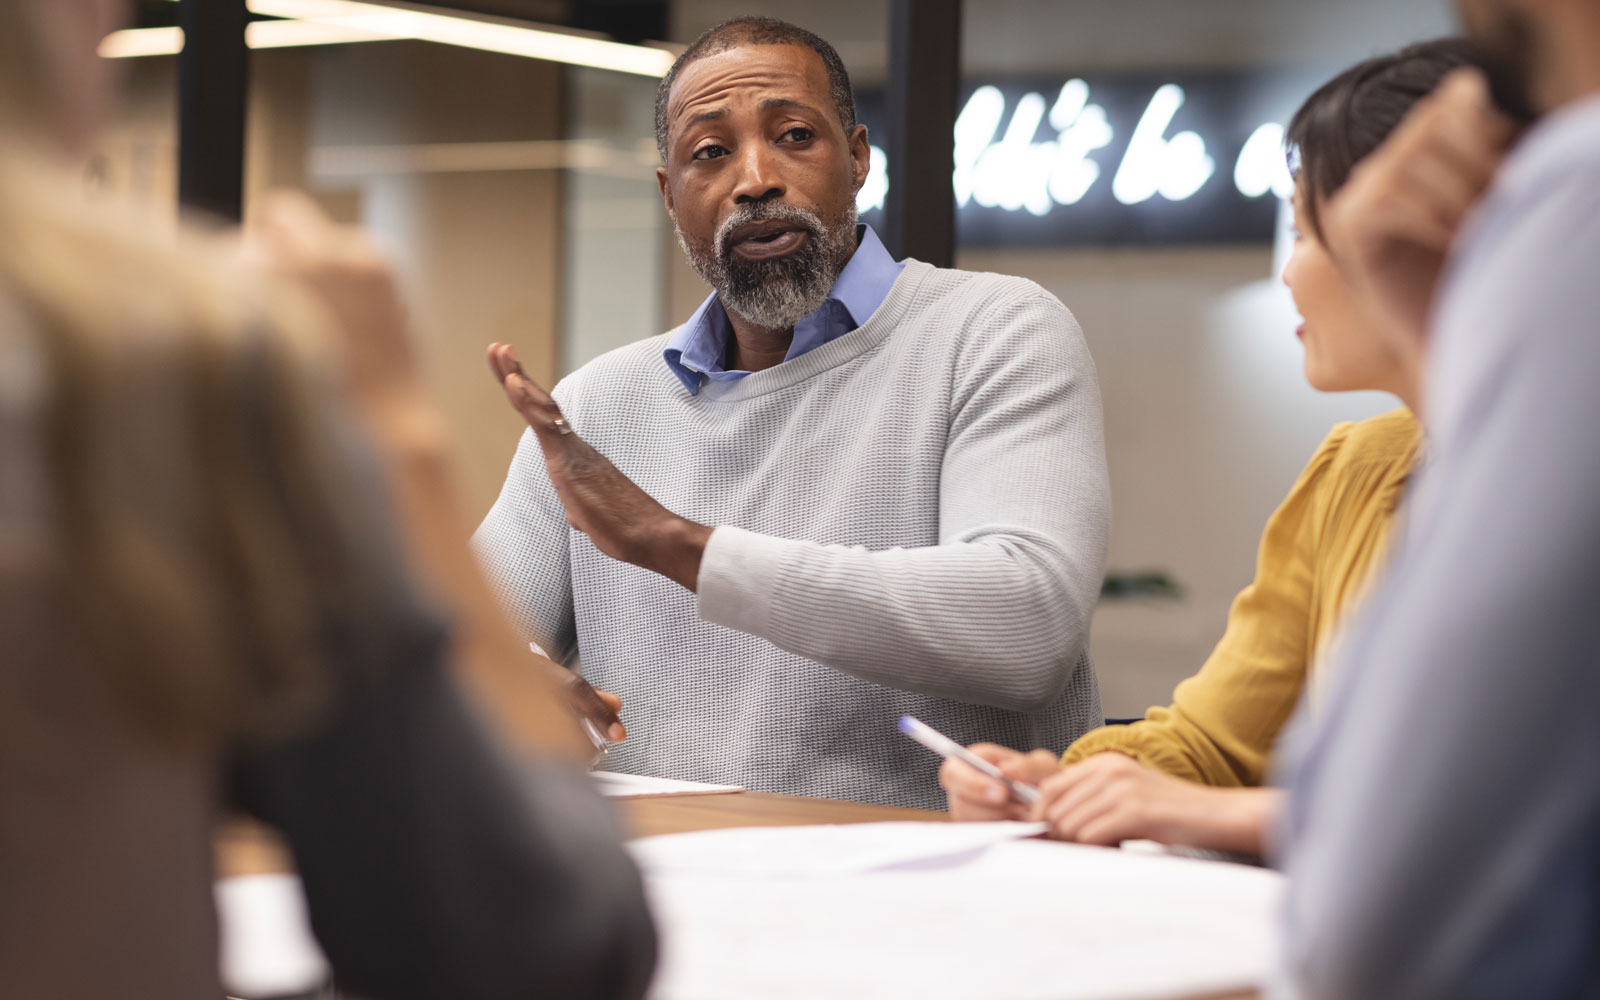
<point x="329" y="22"/>
<point x="136" y="42"/>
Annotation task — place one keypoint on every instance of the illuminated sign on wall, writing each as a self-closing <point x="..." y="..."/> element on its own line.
<point x="1186" y="158"/>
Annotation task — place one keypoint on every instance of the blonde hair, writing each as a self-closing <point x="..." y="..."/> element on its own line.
<point x="203" y="527"/>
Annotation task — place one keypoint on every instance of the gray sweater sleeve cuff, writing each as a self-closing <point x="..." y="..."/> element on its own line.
<point x="738" y="578"/>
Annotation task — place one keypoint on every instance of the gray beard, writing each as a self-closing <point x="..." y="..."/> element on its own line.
<point x="777" y="293"/>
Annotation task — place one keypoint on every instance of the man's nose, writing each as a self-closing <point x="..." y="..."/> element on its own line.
<point x="759" y="179"/>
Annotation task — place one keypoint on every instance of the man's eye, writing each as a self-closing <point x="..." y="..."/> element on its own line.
<point x="798" y="134"/>
<point x="709" y="152"/>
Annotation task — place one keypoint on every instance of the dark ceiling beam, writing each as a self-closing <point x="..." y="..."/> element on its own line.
<point x="924" y="77"/>
<point x="213" y="91"/>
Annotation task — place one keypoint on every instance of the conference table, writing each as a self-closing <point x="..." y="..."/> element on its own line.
<point x="245" y="848"/>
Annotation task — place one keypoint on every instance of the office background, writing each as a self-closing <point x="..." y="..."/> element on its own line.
<point x="518" y="197"/>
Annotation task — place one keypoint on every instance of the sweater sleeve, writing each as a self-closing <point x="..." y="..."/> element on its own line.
<point x="1223" y="721"/>
<point x="522" y="544"/>
<point x="998" y="612"/>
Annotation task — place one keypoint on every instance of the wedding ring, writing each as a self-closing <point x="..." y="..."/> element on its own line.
<point x="562" y="427"/>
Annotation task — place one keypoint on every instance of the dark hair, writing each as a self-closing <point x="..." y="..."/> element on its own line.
<point x="741" y="31"/>
<point x="1351" y="115"/>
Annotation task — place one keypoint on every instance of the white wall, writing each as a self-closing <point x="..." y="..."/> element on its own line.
<point x="615" y="281"/>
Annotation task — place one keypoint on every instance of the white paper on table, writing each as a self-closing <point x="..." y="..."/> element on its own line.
<point x="616" y="785"/>
<point x="807" y="851"/>
<point x="267" y="947"/>
<point x="1021" y="920"/>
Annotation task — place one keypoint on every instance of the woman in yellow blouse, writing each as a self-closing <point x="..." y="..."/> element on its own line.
<point x="1190" y="773"/>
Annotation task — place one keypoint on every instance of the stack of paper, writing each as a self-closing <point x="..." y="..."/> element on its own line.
<point x="805" y="851"/>
<point x="616" y="785"/>
<point x="931" y="911"/>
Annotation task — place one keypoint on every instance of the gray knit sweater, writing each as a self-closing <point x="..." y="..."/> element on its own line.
<point x="911" y="519"/>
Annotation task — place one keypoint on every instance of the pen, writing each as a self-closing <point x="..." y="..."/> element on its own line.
<point x="944" y="746"/>
<point x="593" y="732"/>
<point x="602" y="745"/>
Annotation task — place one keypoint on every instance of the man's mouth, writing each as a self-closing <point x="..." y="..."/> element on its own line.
<point x="767" y="238"/>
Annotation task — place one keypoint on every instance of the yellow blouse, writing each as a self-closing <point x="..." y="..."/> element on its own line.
<point x="1317" y="553"/>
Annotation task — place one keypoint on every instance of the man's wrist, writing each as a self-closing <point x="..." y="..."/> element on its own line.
<point x="676" y="549"/>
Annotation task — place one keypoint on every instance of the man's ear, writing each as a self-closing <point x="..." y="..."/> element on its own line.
<point x="860" y="155"/>
<point x="666" y="192"/>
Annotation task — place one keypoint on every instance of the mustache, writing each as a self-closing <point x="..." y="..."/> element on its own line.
<point x="766" y="212"/>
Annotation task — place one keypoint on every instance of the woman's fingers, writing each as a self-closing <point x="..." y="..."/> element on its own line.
<point x="1109" y="828"/>
<point x="1068" y="817"/>
<point x="1071" y="801"/>
<point x="1031" y="768"/>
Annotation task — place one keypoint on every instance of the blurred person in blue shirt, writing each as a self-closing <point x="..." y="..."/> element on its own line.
<point x="1443" y="838"/>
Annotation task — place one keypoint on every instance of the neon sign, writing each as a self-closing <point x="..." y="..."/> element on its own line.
<point x="1130" y="160"/>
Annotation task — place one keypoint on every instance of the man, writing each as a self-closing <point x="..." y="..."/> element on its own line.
<point x="848" y="488"/>
<point x="1444" y="836"/>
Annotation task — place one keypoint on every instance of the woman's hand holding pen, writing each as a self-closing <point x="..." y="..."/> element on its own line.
<point x="977" y="797"/>
<point x="1110" y="798"/>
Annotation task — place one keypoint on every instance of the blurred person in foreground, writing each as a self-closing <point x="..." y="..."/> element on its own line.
<point x="1192" y="773"/>
<point x="1443" y="835"/>
<point x="849" y="487"/>
<point x="205" y="605"/>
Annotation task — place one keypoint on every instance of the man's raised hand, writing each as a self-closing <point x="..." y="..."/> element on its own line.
<point x="622" y="520"/>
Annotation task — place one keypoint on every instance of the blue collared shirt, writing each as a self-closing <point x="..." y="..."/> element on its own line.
<point x="697" y="350"/>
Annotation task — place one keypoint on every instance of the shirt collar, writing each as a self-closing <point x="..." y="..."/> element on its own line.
<point x="695" y="352"/>
<point x="696" y="349"/>
<point x="866" y="279"/>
